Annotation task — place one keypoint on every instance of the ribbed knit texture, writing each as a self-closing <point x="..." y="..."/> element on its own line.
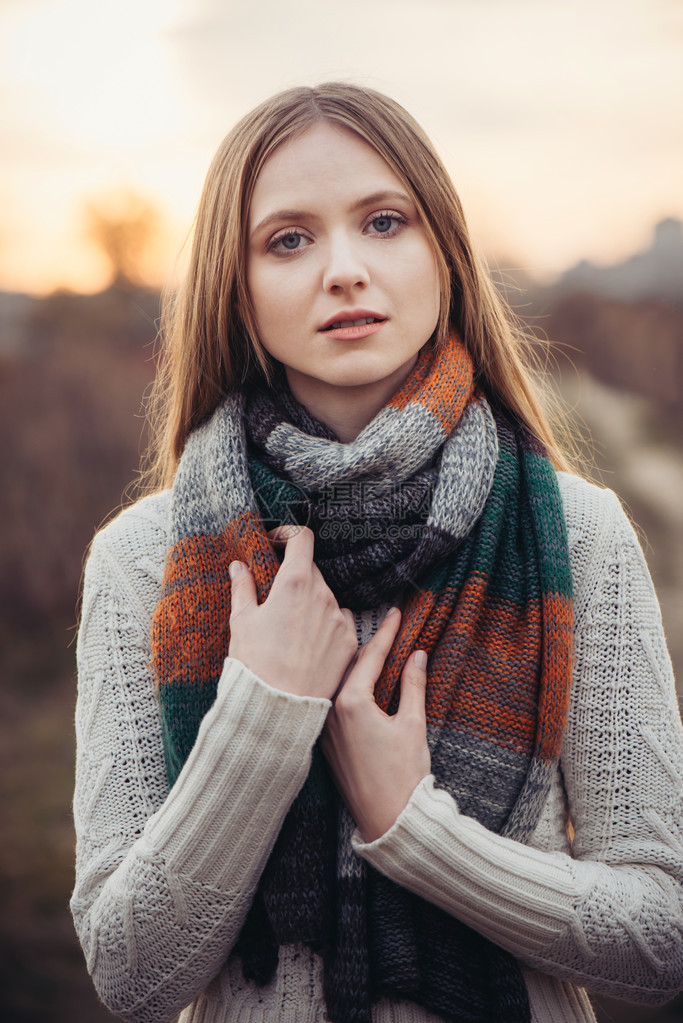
<point x="489" y="600"/>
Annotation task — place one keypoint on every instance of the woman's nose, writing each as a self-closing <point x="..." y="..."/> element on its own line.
<point x="345" y="268"/>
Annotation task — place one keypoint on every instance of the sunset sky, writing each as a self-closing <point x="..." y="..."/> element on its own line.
<point x="561" y="122"/>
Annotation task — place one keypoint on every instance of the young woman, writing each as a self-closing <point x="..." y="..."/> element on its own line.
<point x="415" y="756"/>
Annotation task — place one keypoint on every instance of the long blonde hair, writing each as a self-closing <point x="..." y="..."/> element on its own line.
<point x="210" y="345"/>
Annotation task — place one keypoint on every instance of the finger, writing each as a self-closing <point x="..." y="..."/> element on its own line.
<point x="243" y="588"/>
<point x="299" y="543"/>
<point x="385" y="635"/>
<point x="414" y="684"/>
<point x="354" y="660"/>
<point x="281" y="534"/>
<point x="348" y="615"/>
<point x="372" y="656"/>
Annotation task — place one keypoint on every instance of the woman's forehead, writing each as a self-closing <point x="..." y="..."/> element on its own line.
<point x="323" y="163"/>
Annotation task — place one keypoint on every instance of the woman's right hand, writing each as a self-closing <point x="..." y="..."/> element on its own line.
<point x="299" y="640"/>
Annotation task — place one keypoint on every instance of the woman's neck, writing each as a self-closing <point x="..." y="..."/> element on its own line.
<point x="346" y="411"/>
<point x="343" y="415"/>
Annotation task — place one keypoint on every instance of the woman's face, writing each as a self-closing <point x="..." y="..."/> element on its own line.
<point x="334" y="241"/>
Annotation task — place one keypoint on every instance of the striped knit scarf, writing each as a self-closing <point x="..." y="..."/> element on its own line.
<point x="456" y="516"/>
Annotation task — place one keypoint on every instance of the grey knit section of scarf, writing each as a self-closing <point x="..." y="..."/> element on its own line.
<point x="389" y="450"/>
<point x="395" y="445"/>
<point x="213" y="485"/>
<point x="468" y="463"/>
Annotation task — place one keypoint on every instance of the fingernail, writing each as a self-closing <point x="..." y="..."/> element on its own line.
<point x="393" y="611"/>
<point x="234" y="568"/>
<point x="420" y="659"/>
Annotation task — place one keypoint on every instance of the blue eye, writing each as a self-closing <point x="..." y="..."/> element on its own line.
<point x="289" y="241"/>
<point x="387" y="224"/>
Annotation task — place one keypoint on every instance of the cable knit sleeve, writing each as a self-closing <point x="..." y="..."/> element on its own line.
<point x="608" y="913"/>
<point x="164" y="879"/>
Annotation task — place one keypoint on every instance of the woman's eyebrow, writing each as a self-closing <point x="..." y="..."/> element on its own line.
<point x="377" y="198"/>
<point x="367" y="200"/>
<point x="279" y="215"/>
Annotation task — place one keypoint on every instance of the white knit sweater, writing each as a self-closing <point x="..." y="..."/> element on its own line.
<point x="164" y="879"/>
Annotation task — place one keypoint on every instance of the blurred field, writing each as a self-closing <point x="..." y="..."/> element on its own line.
<point x="73" y="371"/>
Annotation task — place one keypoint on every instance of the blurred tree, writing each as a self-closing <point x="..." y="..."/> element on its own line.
<point x="124" y="226"/>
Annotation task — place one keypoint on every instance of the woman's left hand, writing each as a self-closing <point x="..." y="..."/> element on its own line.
<point x="378" y="759"/>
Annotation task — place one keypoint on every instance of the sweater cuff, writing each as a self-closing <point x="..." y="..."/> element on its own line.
<point x="251" y="757"/>
<point x="519" y="897"/>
